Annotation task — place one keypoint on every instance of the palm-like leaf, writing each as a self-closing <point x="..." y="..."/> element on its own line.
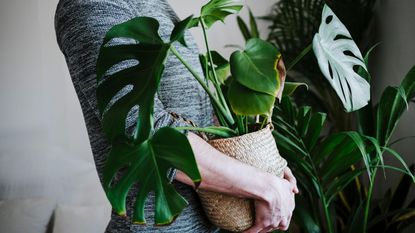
<point x="321" y="165"/>
<point x="294" y="23"/>
<point x="297" y="134"/>
<point x="326" y="166"/>
<point x="338" y="56"/>
<point x="393" y="103"/>
<point x="248" y="33"/>
<point x="391" y="214"/>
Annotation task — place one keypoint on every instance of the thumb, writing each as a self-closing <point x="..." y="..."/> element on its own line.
<point x="254" y="229"/>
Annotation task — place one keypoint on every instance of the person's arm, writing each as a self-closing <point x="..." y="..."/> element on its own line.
<point x="274" y="197"/>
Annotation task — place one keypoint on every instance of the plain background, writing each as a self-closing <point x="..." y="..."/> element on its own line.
<point x="40" y="113"/>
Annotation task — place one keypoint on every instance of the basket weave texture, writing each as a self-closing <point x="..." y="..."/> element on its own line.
<point x="257" y="149"/>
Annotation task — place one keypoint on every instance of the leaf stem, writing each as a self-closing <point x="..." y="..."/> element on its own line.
<point x="320" y="191"/>
<point x="223" y="132"/>
<point x="300" y="56"/>
<point x="205" y="87"/>
<point x="215" y="76"/>
<point x="264" y="122"/>
<point x="240" y="124"/>
<point x="327" y="213"/>
<point x="324" y="202"/>
<point x="369" y="197"/>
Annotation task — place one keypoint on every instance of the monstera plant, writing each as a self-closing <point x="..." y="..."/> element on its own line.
<point x="338" y="56"/>
<point x="244" y="93"/>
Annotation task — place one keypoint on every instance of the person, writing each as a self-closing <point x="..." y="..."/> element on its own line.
<point x="80" y="28"/>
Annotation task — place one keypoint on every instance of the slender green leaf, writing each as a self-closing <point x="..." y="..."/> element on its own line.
<point x="401" y="160"/>
<point x="340" y="183"/>
<point x="180" y="29"/>
<point x="306" y="221"/>
<point x="361" y="71"/>
<point x="303" y="120"/>
<point x="356" y="225"/>
<point x="222" y="67"/>
<point x="291" y="87"/>
<point x="244" y="29"/>
<point x="314" y="129"/>
<point x="220" y="131"/>
<point x="253" y="25"/>
<point x="408" y="84"/>
<point x="391" y="106"/>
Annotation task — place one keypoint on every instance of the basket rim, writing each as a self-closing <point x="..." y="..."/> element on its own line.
<point x="267" y="128"/>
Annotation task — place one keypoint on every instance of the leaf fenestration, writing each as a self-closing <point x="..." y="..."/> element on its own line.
<point x="338" y="56"/>
<point x="143" y="158"/>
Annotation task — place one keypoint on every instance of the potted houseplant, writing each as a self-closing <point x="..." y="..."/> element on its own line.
<point x="331" y="159"/>
<point x="257" y="78"/>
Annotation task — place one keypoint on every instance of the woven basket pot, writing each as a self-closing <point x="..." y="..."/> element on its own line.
<point x="257" y="149"/>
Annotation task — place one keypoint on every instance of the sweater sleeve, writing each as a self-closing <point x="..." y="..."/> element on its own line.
<point x="80" y="28"/>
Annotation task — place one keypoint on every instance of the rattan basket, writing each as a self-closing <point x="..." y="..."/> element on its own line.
<point x="256" y="149"/>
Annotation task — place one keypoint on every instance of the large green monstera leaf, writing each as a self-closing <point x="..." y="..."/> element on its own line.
<point x="255" y="78"/>
<point x="143" y="159"/>
<point x="339" y="59"/>
<point x="217" y="10"/>
<point x="148" y="163"/>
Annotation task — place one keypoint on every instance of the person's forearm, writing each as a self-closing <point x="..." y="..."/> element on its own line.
<point x="223" y="174"/>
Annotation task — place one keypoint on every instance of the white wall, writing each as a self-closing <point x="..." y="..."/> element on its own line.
<point x="36" y="95"/>
<point x="42" y="132"/>
<point x="395" y="56"/>
<point x="41" y="126"/>
<point x="220" y="34"/>
<point x="40" y="117"/>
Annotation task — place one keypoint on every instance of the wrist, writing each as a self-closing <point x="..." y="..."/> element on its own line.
<point x="266" y="187"/>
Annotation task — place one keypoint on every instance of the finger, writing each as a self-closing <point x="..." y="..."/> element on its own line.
<point x="272" y="227"/>
<point x="288" y="175"/>
<point x="254" y="229"/>
<point x="268" y="229"/>
<point x="283" y="224"/>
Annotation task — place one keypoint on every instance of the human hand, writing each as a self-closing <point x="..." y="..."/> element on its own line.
<point x="288" y="175"/>
<point x="275" y="210"/>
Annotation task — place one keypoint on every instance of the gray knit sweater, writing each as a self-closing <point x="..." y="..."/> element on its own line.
<point x="80" y="28"/>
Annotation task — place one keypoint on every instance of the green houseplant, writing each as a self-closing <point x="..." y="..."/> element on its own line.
<point x="256" y="75"/>
<point x="326" y="163"/>
<point x="144" y="155"/>
<point x="328" y="167"/>
<point x="293" y="23"/>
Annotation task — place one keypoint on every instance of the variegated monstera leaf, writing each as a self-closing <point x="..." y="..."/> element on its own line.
<point x="339" y="59"/>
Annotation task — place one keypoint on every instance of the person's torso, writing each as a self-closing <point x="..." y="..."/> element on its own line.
<point x="179" y="92"/>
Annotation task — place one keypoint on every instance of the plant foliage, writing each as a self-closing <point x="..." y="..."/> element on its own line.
<point x="144" y="158"/>
<point x="338" y="56"/>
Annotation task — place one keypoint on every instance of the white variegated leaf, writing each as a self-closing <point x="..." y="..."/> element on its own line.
<point x="337" y="55"/>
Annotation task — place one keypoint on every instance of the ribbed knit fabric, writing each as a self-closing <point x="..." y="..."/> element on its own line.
<point x="80" y="28"/>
